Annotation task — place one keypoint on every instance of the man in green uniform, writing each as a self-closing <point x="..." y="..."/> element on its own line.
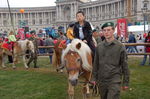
<point x="33" y="57"/>
<point x="110" y="65"/>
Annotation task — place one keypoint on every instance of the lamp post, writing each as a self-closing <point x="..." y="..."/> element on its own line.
<point x="144" y="10"/>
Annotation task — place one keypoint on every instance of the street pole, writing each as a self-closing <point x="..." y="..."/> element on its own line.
<point x="144" y="10"/>
<point x="144" y="23"/>
<point x="11" y="17"/>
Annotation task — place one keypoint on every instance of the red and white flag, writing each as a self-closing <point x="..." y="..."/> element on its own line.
<point x="122" y="28"/>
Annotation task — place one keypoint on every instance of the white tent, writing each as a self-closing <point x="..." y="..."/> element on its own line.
<point x="138" y="29"/>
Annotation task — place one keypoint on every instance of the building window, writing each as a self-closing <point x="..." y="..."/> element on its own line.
<point x="33" y="15"/>
<point x="5" y="23"/>
<point x="40" y="21"/>
<point x="26" y="15"/>
<point x="46" y="14"/>
<point x="4" y="15"/>
<point x="47" y="21"/>
<point x="19" y="15"/>
<point x="33" y="22"/>
<point x="40" y="15"/>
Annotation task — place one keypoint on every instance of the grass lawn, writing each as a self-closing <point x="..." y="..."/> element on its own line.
<point x="45" y="83"/>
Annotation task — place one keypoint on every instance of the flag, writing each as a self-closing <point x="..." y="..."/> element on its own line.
<point x="122" y="28"/>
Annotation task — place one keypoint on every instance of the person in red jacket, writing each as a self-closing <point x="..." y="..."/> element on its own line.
<point x="147" y="49"/>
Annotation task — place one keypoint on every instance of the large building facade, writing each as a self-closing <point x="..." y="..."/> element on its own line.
<point x="97" y="12"/>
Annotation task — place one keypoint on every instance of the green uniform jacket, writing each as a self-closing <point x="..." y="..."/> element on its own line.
<point x="110" y="64"/>
<point x="34" y="40"/>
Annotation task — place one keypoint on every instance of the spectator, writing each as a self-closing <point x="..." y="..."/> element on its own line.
<point x="96" y="35"/>
<point x="102" y="36"/>
<point x="40" y="43"/>
<point x="34" y="57"/>
<point x="147" y="49"/>
<point x="132" y="49"/>
<point x="70" y="35"/>
<point x="12" y="39"/>
<point x="49" y="42"/>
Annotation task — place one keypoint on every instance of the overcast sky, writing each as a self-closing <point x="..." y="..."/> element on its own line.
<point x="27" y="3"/>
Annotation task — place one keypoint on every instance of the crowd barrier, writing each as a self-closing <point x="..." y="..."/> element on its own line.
<point x="126" y="44"/>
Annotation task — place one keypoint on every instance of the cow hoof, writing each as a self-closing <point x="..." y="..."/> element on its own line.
<point x="61" y="71"/>
<point x="36" y="66"/>
<point x="88" y="95"/>
<point x="71" y="97"/>
<point x="4" y="67"/>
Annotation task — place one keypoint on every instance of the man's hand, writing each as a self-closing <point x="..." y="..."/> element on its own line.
<point x="125" y="88"/>
<point x="93" y="82"/>
<point x="84" y="41"/>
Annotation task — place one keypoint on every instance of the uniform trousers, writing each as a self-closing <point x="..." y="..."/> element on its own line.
<point x="110" y="90"/>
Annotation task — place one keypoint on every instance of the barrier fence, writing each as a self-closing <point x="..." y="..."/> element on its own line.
<point x="126" y="44"/>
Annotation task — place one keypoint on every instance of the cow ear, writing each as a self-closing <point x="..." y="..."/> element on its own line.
<point x="78" y="46"/>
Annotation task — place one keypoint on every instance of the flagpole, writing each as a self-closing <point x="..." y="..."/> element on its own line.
<point x="11" y="17"/>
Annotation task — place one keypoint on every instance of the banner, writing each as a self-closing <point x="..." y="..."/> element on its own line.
<point x="122" y="28"/>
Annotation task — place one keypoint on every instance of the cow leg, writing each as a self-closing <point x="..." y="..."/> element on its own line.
<point x="86" y="89"/>
<point x="24" y="61"/>
<point x="14" y="61"/>
<point x="71" y="91"/>
<point x="61" y="70"/>
<point x="3" y="61"/>
<point x="30" y="60"/>
<point x="59" y="64"/>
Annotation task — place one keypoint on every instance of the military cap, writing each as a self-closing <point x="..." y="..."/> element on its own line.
<point x="107" y="24"/>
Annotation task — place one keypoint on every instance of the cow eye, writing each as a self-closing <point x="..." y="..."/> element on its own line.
<point x="79" y="60"/>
